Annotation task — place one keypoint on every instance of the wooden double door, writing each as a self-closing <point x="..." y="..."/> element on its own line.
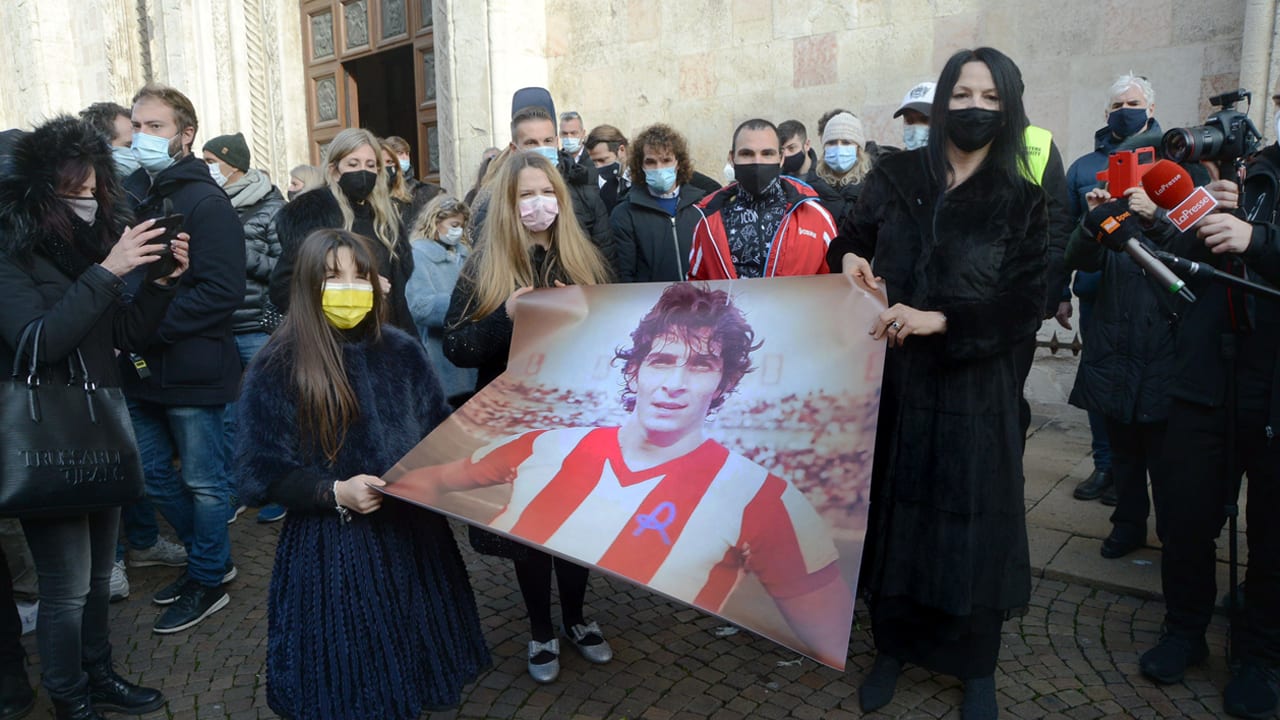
<point x="372" y="64"/>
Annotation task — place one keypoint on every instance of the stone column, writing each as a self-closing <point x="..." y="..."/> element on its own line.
<point x="62" y="56"/>
<point x="482" y="56"/>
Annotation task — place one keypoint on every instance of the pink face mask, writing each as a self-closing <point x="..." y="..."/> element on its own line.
<point x="538" y="212"/>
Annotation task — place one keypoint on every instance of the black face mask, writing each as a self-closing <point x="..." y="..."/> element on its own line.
<point x="608" y="171"/>
<point x="973" y="128"/>
<point x="792" y="163"/>
<point x="391" y="172"/>
<point x="755" y="178"/>
<point x="357" y="184"/>
<point x="292" y="194"/>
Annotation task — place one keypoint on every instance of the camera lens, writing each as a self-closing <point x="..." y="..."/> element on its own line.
<point x="1193" y="144"/>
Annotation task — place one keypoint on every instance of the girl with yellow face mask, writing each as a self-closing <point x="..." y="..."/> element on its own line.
<point x="333" y="401"/>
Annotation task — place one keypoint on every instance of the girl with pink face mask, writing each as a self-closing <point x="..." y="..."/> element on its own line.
<point x="530" y="239"/>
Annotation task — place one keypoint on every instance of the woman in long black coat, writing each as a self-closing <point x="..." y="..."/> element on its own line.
<point x="64" y="254"/>
<point x="958" y="240"/>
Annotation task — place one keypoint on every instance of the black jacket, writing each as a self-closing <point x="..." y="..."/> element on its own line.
<point x="319" y="209"/>
<point x="588" y="208"/>
<point x="1199" y="373"/>
<point x="1061" y="225"/>
<point x="947" y="488"/>
<point x="838" y="201"/>
<point x="82" y="307"/>
<point x="1128" y="359"/>
<point x="261" y="250"/>
<point x="653" y="246"/>
<point x="192" y="357"/>
<point x="483" y="344"/>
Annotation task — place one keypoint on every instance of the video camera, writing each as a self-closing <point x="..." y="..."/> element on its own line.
<point x="1225" y="136"/>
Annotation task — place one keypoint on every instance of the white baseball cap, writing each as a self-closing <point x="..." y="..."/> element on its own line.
<point x="918" y="98"/>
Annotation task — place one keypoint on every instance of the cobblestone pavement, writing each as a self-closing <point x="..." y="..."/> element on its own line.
<point x="1073" y="655"/>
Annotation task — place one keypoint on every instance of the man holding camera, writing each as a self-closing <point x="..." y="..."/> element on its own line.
<point x="1225" y="336"/>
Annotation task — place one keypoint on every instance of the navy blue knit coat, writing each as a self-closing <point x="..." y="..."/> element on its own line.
<point x="373" y="618"/>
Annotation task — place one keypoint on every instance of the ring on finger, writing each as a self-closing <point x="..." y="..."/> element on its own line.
<point x="895" y="325"/>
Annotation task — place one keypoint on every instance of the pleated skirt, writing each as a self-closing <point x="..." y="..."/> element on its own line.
<point x="370" y="619"/>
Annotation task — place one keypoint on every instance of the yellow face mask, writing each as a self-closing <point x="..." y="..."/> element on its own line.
<point x="346" y="304"/>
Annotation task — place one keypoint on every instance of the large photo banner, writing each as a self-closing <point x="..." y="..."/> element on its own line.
<point x="711" y="442"/>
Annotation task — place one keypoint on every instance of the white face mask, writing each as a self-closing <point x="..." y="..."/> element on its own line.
<point x="1278" y="127"/>
<point x="915" y="136"/>
<point x="216" y="172"/>
<point x="452" y="236"/>
<point x="728" y="172"/>
<point x="571" y="145"/>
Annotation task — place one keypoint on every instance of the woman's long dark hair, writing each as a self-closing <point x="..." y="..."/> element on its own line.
<point x="326" y="403"/>
<point x="1008" y="152"/>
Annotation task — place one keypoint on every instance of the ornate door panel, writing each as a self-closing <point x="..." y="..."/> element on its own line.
<point x="336" y="32"/>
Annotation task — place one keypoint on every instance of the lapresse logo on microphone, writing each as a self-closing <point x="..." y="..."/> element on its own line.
<point x="1191" y="210"/>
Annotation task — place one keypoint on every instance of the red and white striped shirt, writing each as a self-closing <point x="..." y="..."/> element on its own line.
<point x="690" y="527"/>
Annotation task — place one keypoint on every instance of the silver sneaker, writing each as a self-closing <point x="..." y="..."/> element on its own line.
<point x="119" y="582"/>
<point x="164" y="552"/>
<point x="548" y="671"/>
<point x="598" y="653"/>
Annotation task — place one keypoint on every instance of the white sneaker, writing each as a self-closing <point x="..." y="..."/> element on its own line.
<point x="164" y="552"/>
<point x="119" y="582"/>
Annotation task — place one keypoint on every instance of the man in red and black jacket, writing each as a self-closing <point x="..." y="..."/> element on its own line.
<point x="763" y="225"/>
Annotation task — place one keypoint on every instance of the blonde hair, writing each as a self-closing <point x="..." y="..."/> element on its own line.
<point x="398" y="188"/>
<point x="502" y="262"/>
<point x="310" y="177"/>
<point x="853" y="175"/>
<point x="441" y="206"/>
<point x="386" y="221"/>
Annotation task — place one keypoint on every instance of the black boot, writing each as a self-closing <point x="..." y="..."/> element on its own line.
<point x="16" y="696"/>
<point x="77" y="709"/>
<point x="109" y="691"/>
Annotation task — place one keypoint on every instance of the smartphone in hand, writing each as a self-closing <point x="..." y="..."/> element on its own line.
<point x="172" y="225"/>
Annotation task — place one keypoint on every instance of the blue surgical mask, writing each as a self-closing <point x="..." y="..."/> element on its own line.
<point x="840" y="157"/>
<point x="571" y="144"/>
<point x="405" y="165"/>
<point x="550" y="153"/>
<point x="126" y="161"/>
<point x="915" y="137"/>
<point x="152" y="152"/>
<point x="660" y="180"/>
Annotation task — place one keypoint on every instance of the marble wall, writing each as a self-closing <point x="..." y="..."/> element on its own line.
<point x="703" y="65"/>
<point x="706" y="65"/>
<point x="240" y="62"/>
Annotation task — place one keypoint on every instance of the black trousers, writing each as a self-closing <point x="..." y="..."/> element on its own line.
<point x="13" y="658"/>
<point x="1134" y="450"/>
<point x="1193" y="483"/>
<point x="1023" y="356"/>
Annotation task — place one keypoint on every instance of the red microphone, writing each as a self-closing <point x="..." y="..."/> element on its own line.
<point x="1170" y="187"/>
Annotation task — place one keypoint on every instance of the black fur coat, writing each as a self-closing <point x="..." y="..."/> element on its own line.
<point x="948" y="527"/>
<point x="400" y="402"/>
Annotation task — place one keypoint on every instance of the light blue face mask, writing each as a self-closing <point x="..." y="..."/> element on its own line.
<point x="126" y="161"/>
<point x="915" y="137"/>
<point x="840" y="157"/>
<point x="152" y="152"/>
<point x="550" y="153"/>
<point x="660" y="180"/>
<point x="405" y="165"/>
<point x="571" y="144"/>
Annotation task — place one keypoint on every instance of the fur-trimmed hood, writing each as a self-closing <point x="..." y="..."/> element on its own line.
<point x="28" y="190"/>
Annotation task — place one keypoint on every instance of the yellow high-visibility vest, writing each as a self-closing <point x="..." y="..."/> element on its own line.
<point x="1038" y="142"/>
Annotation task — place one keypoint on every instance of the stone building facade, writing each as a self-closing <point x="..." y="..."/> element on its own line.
<point x="702" y="65"/>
